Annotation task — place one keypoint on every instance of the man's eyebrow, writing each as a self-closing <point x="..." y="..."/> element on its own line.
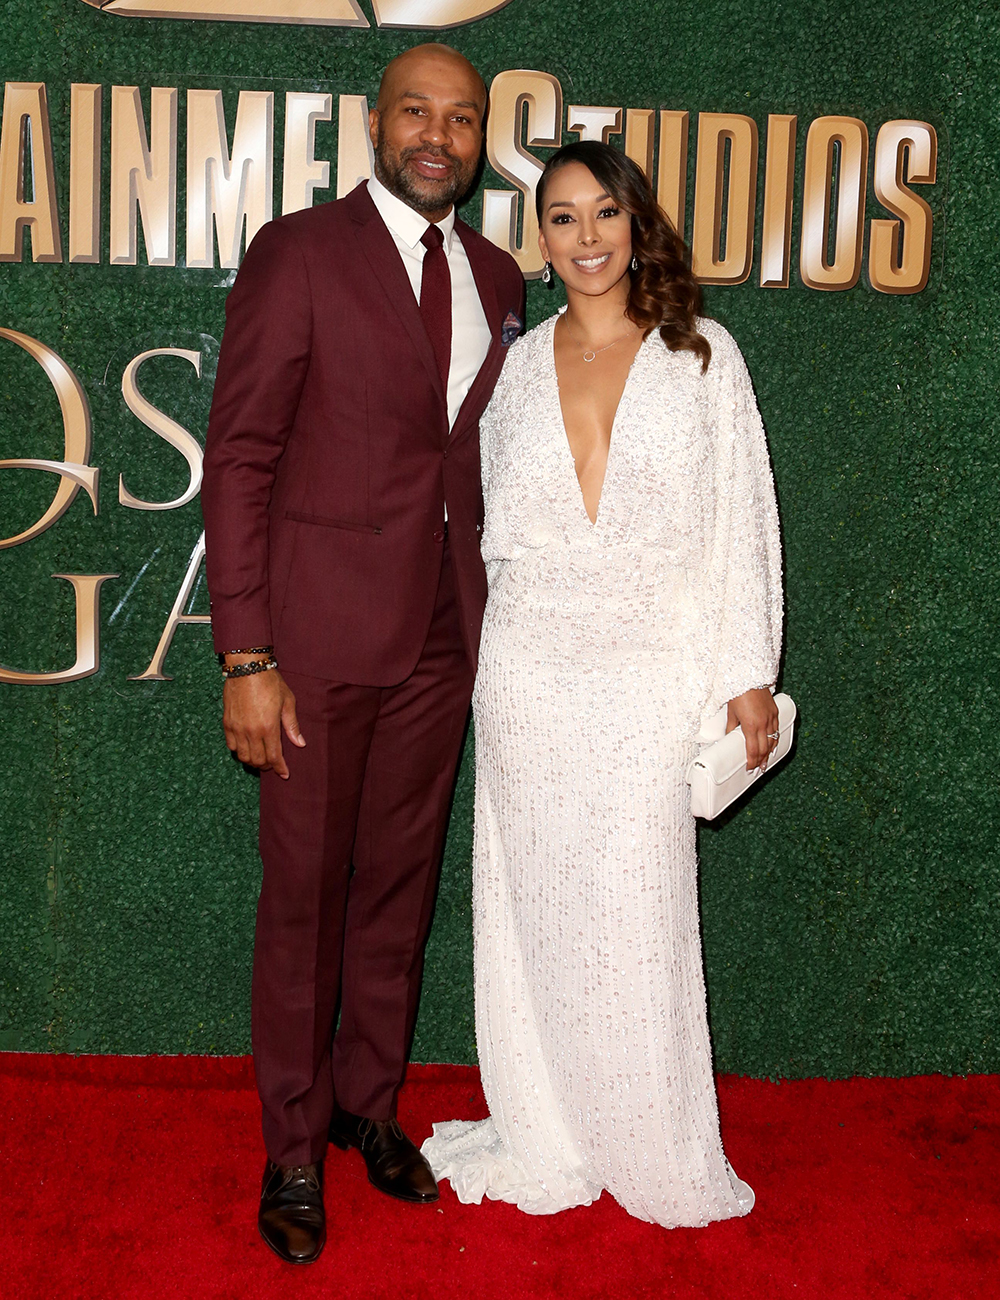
<point x="458" y="103"/>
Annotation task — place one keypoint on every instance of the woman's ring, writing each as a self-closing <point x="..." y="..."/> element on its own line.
<point x="774" y="735"/>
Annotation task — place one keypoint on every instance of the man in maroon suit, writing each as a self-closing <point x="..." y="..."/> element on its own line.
<point x="343" y="510"/>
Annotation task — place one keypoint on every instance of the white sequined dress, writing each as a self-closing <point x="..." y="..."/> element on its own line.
<point x="604" y="646"/>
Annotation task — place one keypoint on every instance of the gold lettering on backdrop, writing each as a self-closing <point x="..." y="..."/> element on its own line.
<point x="355" y="157"/>
<point x="230" y="195"/>
<point x="162" y="425"/>
<point x="176" y="617"/>
<point x="779" y="181"/>
<point x="899" y="252"/>
<point x="515" y="96"/>
<point x="718" y="216"/>
<point x="320" y="13"/>
<point x="74" y="470"/>
<point x="639" y="138"/>
<point x="228" y="191"/>
<point x="87" y="588"/>
<point x="411" y="14"/>
<point x="834" y="146"/>
<point x="85" y="174"/>
<point x="671" y="173"/>
<point x="593" y="123"/>
<point x="422" y="14"/>
<point x="27" y="175"/>
<point x="302" y="172"/>
<point x="143" y="175"/>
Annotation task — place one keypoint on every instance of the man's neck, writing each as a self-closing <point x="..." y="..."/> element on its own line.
<point x="435" y="217"/>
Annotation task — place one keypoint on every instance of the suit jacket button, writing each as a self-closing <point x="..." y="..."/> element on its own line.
<point x="439" y="535"/>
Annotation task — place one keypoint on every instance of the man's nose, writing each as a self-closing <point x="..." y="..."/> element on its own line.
<point x="437" y="129"/>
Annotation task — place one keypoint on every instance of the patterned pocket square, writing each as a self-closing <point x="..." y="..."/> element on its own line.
<point x="510" y="329"/>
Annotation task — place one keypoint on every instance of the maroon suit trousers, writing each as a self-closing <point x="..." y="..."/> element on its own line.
<point x="351" y="846"/>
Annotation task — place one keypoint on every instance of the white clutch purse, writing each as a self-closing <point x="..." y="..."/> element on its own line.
<point x="718" y="775"/>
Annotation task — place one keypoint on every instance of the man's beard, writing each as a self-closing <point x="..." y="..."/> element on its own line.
<point x="423" y="195"/>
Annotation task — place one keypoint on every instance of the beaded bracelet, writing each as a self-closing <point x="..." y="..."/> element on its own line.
<point x="250" y="669"/>
<point x="253" y="650"/>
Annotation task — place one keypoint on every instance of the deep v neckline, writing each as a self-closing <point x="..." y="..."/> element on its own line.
<point x="612" y="440"/>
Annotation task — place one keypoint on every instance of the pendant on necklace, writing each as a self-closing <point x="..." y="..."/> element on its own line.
<point x="589" y="356"/>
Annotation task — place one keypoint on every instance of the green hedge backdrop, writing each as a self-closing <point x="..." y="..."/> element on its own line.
<point x="850" y="909"/>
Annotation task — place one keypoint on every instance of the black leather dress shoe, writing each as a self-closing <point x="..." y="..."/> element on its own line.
<point x="395" y="1166"/>
<point x="291" y="1218"/>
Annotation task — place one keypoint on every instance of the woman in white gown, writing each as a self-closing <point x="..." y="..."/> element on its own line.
<point x="631" y="543"/>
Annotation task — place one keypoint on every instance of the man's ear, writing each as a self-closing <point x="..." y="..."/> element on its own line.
<point x="373" y="116"/>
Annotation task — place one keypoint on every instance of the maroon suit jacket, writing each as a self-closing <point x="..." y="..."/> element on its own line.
<point x="329" y="460"/>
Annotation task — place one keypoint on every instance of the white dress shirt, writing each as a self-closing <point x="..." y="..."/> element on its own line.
<point x="470" y="331"/>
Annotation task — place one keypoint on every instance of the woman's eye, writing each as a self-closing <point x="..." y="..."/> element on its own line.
<point x="561" y="219"/>
<point x="609" y="212"/>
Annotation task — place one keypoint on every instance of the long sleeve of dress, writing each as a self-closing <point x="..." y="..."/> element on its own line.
<point x="744" y="569"/>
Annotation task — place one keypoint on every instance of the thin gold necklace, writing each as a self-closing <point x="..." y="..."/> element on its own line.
<point x="591" y="353"/>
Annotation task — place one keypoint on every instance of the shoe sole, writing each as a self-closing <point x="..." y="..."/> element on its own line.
<point x="345" y="1144"/>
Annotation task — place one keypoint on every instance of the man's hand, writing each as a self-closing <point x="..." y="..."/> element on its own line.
<point x="255" y="709"/>
<point x="756" y="712"/>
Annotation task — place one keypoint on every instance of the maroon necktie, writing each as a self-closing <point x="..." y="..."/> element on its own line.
<point x="435" y="299"/>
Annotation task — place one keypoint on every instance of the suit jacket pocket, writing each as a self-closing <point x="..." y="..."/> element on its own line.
<point x="325" y="522"/>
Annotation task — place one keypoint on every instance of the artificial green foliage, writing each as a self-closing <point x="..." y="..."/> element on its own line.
<point x="850" y="907"/>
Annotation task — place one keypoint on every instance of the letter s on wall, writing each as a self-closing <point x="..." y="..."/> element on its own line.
<point x="169" y="430"/>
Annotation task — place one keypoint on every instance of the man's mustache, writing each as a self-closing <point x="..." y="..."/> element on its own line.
<point x="430" y="153"/>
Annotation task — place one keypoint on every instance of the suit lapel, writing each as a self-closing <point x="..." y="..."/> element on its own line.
<point x="380" y="250"/>
<point x="482" y="385"/>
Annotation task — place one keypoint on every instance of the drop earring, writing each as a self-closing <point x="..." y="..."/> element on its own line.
<point x="635" y="263"/>
<point x="547" y="273"/>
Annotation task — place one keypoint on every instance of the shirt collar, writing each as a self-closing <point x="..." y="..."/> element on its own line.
<point x="405" y="222"/>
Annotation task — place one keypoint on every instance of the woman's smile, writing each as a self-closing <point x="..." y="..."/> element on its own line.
<point x="593" y="262"/>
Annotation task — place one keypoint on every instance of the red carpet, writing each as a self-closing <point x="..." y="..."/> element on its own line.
<point x="137" y="1177"/>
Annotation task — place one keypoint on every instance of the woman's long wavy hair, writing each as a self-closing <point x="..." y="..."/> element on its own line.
<point x="663" y="294"/>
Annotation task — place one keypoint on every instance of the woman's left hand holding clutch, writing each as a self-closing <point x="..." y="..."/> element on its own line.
<point x="756" y="712"/>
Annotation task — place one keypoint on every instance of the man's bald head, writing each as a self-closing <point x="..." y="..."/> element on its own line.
<point x="423" y="60"/>
<point x="427" y="128"/>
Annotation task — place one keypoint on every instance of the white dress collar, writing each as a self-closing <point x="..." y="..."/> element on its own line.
<point x="405" y="222"/>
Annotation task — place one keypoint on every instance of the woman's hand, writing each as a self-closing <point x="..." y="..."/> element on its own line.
<point x="756" y="712"/>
